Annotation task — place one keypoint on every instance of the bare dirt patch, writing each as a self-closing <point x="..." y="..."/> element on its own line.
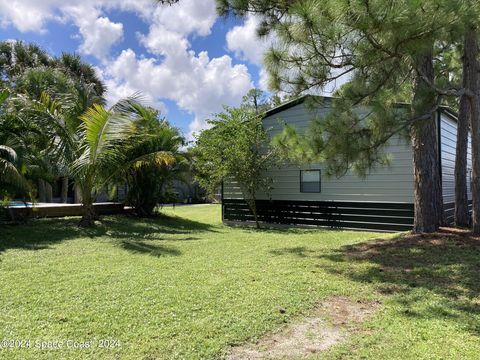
<point x="329" y="324"/>
<point x="347" y="313"/>
<point x="444" y="237"/>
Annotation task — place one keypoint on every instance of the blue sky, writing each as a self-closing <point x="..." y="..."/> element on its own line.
<point x="184" y="59"/>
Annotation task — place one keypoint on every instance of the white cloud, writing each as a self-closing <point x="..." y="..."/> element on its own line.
<point x="23" y="15"/>
<point x="201" y="88"/>
<point x="245" y="43"/>
<point x="97" y="31"/>
<point x="189" y="16"/>
<point x="197" y="83"/>
<point x="264" y="80"/>
<point x="161" y="41"/>
<point x="99" y="36"/>
<point x="169" y="25"/>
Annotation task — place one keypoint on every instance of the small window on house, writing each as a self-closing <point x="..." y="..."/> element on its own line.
<point x="310" y="181"/>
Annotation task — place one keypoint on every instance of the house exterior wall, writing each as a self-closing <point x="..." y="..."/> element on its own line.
<point x="381" y="201"/>
<point x="385" y="184"/>
<point x="448" y="140"/>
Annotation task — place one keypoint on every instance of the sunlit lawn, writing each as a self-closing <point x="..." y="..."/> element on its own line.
<point x="185" y="286"/>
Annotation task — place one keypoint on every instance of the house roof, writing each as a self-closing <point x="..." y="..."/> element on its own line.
<point x="286" y="105"/>
<point x="291" y="103"/>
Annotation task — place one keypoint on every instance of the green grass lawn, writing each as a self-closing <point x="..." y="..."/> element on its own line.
<point x="187" y="287"/>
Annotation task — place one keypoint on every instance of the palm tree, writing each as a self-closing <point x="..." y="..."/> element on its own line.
<point x="10" y="174"/>
<point x="17" y="56"/>
<point x="82" y="72"/>
<point x="105" y="137"/>
<point x="63" y="128"/>
<point x="38" y="108"/>
<point x="51" y="99"/>
<point x="83" y="140"/>
<point x="150" y="180"/>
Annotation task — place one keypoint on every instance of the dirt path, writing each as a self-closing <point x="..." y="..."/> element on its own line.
<point x="328" y="325"/>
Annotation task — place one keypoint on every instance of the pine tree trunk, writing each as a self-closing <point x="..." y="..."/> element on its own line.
<point x="475" y="121"/>
<point x="462" y="217"/>
<point x="64" y="191"/>
<point x="427" y="183"/>
<point x="471" y="54"/>
<point x="41" y="191"/>
<point x="48" y="192"/>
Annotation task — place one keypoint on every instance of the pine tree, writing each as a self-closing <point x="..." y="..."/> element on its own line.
<point x="461" y="216"/>
<point x="471" y="54"/>
<point x="388" y="57"/>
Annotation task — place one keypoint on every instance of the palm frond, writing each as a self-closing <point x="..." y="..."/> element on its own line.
<point x="158" y="158"/>
<point x="9" y="174"/>
<point x="129" y="104"/>
<point x="4" y="94"/>
<point x="101" y="128"/>
<point x="7" y="153"/>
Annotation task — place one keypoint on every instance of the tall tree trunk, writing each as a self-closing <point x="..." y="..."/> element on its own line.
<point x="462" y="217"/>
<point x="48" y="192"/>
<point x="471" y="54"/>
<point x="41" y="191"/>
<point x="251" y="200"/>
<point x="64" y="190"/>
<point x="253" y="206"/>
<point x="89" y="215"/>
<point x="77" y="194"/>
<point x="475" y="121"/>
<point x="427" y="182"/>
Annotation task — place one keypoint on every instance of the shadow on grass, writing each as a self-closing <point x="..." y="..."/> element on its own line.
<point x="287" y="229"/>
<point x="40" y="234"/>
<point x="443" y="267"/>
<point x="300" y="251"/>
<point x="140" y="247"/>
<point x="156" y="228"/>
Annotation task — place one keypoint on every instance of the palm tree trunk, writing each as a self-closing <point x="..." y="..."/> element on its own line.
<point x="48" y="192"/>
<point x="41" y="191"/>
<point x="89" y="216"/>
<point x="77" y="194"/>
<point x="64" y="191"/>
